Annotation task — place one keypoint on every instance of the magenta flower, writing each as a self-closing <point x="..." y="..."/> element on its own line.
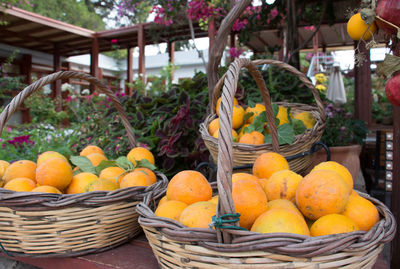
<point x="235" y="53"/>
<point x="114" y="41"/>
<point x="311" y="28"/>
<point x="274" y="12"/>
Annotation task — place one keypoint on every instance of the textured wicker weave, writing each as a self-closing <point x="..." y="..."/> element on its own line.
<point x="53" y="225"/>
<point x="177" y="246"/>
<point x="247" y="154"/>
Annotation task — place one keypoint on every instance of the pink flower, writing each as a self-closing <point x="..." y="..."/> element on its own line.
<point x="274" y="13"/>
<point x="8" y="129"/>
<point x="69" y="99"/>
<point x="311" y="28"/>
<point x="234" y="52"/>
<point x="114" y="41"/>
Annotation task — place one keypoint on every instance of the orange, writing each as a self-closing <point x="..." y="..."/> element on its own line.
<point x="253" y="138"/>
<point x="234" y="135"/>
<point x="189" y="187"/>
<point x="268" y="163"/>
<point x="54" y="172"/>
<point x="163" y="200"/>
<point x="170" y="209"/>
<point x="198" y="215"/>
<point x="48" y="189"/>
<point x="250" y="201"/>
<point x="307" y="118"/>
<point x="241" y="130"/>
<point x="101" y="184"/>
<point x="356" y="27"/>
<point x="237" y="116"/>
<point x="332" y="224"/>
<point x="284" y="204"/>
<point x="214" y="200"/>
<point x="148" y="172"/>
<point x="282" y="115"/>
<point x="91" y="149"/>
<point x="48" y="155"/>
<point x="135" y="179"/>
<point x="354" y="193"/>
<point x="320" y="193"/>
<point x="23" y="168"/>
<point x="235" y="102"/>
<point x="113" y="173"/>
<point x="338" y="168"/>
<point x="213" y="126"/>
<point x="79" y="182"/>
<point x="280" y="220"/>
<point x="20" y="184"/>
<point x="96" y="158"/>
<point x="282" y="185"/>
<point x="362" y="212"/>
<point x="140" y="153"/>
<point x="238" y="176"/>
<point x="3" y="166"/>
<point x="256" y="110"/>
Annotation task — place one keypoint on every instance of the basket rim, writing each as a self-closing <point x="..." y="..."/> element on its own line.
<point x="279" y="243"/>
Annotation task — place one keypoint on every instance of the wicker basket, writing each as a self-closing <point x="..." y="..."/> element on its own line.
<point x="54" y="225"/>
<point x="177" y="246"/>
<point x="244" y="154"/>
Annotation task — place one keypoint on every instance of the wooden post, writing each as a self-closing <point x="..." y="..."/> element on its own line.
<point x="142" y="57"/>
<point x="292" y="31"/>
<point x="129" y="75"/>
<point x="211" y="33"/>
<point x="232" y="44"/>
<point x="26" y="71"/>
<point x="362" y="87"/>
<point x="171" y="57"/>
<point x="57" y="83"/>
<point x="395" y="257"/>
<point x="94" y="61"/>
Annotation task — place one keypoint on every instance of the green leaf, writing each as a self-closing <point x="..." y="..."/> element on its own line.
<point x="251" y="103"/>
<point x="285" y="134"/>
<point x="247" y="116"/>
<point x="298" y="126"/>
<point x="77" y="172"/>
<point x="104" y="164"/>
<point x="124" y="163"/>
<point x="145" y="163"/>
<point x="83" y="163"/>
<point x="258" y="123"/>
<point x="275" y="109"/>
<point x="288" y="114"/>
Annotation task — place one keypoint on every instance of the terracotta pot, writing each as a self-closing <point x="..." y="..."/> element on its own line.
<point x="348" y="156"/>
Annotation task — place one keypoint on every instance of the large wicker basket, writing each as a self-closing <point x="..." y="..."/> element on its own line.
<point x="244" y="154"/>
<point x="54" y="225"/>
<point x="177" y="246"/>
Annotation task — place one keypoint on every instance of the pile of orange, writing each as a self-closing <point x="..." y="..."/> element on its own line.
<point x="242" y="120"/>
<point x="53" y="173"/>
<point x="275" y="199"/>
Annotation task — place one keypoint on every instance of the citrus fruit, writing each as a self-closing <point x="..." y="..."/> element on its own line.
<point x="148" y="172"/>
<point x="280" y="220"/>
<point x="250" y="201"/>
<point x="170" y="209"/>
<point x="189" y="187"/>
<point x="237" y="116"/>
<point x="256" y="110"/>
<point x="198" y="215"/>
<point x="282" y="115"/>
<point x="238" y="176"/>
<point x="22" y="168"/>
<point x="332" y="224"/>
<point x="96" y="158"/>
<point x="320" y="193"/>
<point x="20" y="184"/>
<point x="307" y="118"/>
<point x="3" y="167"/>
<point x="213" y="126"/>
<point x="54" y="172"/>
<point x="253" y="138"/>
<point x="358" y="29"/>
<point x="362" y="212"/>
<point x="48" y="155"/>
<point x="338" y="168"/>
<point x="234" y="135"/>
<point x="268" y="163"/>
<point x="79" y="182"/>
<point x="101" y="184"/>
<point x="235" y="102"/>
<point x="282" y="185"/>
<point x="163" y="200"/>
<point x="48" y="189"/>
<point x="135" y="179"/>
<point x="113" y="173"/>
<point x="140" y="153"/>
<point x="214" y="200"/>
<point x="284" y="204"/>
<point x="91" y="149"/>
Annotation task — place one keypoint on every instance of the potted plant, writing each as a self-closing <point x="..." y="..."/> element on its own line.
<point x="344" y="136"/>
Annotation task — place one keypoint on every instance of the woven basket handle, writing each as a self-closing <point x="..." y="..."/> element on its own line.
<point x="19" y="99"/>
<point x="303" y="78"/>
